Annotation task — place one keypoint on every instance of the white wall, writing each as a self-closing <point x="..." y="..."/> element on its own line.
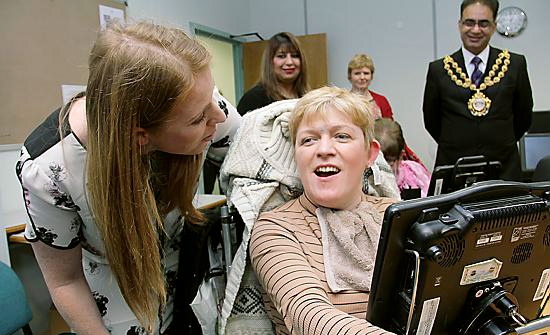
<point x="229" y="16"/>
<point x="270" y="17"/>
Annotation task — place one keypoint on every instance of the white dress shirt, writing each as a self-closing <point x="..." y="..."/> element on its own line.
<point x="468" y="56"/>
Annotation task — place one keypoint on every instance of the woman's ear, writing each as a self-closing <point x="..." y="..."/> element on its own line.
<point x="373" y="152"/>
<point x="142" y="136"/>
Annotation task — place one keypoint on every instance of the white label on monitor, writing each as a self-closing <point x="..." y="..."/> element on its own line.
<point x="520" y="233"/>
<point x="489" y="239"/>
<point x="480" y="272"/>
<point x="438" y="186"/>
<point x="544" y="283"/>
<point x="427" y="317"/>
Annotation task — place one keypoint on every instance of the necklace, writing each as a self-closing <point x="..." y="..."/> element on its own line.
<point x="478" y="104"/>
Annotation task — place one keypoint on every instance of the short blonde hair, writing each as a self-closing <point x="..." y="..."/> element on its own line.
<point x="319" y="102"/>
<point x="360" y="61"/>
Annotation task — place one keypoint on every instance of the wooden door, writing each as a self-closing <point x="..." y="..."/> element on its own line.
<point x="315" y="51"/>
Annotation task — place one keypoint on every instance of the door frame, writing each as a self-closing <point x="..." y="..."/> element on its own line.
<point x="202" y="30"/>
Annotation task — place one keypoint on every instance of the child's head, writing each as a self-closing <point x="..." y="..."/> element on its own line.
<point x="390" y="136"/>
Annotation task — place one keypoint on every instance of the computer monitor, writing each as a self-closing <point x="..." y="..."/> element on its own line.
<point x="455" y="263"/>
<point x="533" y="147"/>
<point x="466" y="171"/>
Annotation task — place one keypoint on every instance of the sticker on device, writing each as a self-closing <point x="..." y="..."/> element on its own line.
<point x="520" y="233"/>
<point x="480" y="272"/>
<point x="427" y="317"/>
<point x="489" y="239"/>
<point x="544" y="284"/>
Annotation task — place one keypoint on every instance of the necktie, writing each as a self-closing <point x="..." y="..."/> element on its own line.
<point x="477" y="74"/>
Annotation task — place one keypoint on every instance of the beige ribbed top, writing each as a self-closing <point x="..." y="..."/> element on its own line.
<point x="287" y="256"/>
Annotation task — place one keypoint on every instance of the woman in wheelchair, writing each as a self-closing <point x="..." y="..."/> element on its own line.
<point x="314" y="255"/>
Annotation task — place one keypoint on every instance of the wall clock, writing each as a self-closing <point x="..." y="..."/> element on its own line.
<point x="511" y="21"/>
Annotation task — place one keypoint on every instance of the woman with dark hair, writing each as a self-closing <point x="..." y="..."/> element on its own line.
<point x="109" y="179"/>
<point x="283" y="76"/>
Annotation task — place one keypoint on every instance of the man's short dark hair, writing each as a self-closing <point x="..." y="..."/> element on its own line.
<point x="492" y="4"/>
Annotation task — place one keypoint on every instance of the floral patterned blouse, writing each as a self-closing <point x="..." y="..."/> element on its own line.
<point x="51" y="171"/>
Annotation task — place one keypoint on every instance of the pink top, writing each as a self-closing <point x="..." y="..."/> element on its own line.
<point x="411" y="174"/>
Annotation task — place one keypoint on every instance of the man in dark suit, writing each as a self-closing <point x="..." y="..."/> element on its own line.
<point x="478" y="101"/>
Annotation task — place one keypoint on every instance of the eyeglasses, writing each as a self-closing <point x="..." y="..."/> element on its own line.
<point x="480" y="23"/>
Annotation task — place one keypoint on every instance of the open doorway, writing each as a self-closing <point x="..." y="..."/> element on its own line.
<point x="226" y="60"/>
<point x="227" y="73"/>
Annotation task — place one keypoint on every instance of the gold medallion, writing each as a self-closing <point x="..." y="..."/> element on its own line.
<point x="479" y="104"/>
